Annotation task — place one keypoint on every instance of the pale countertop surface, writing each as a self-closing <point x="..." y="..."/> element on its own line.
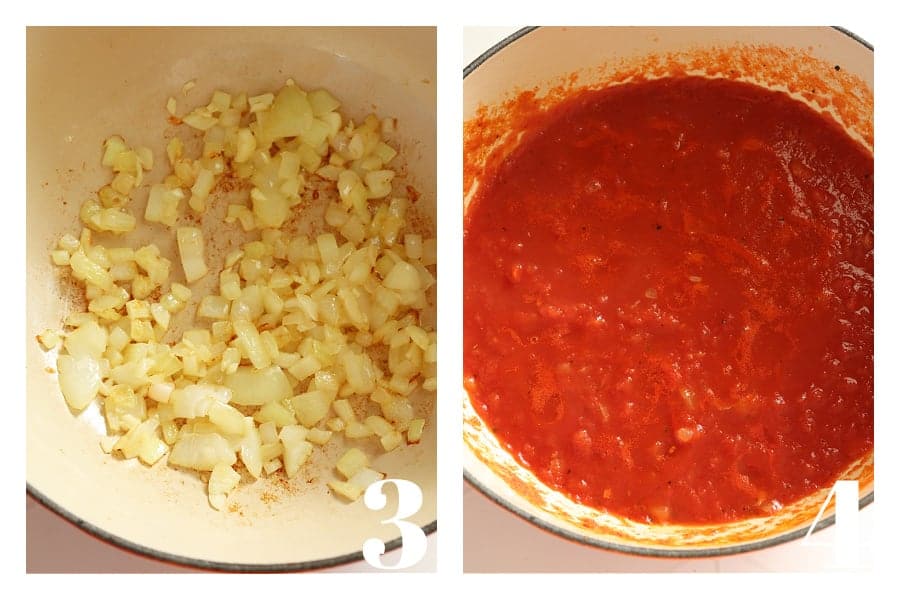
<point x="497" y="541"/>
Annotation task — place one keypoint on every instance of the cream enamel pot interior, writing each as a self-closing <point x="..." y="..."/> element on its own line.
<point x="84" y="85"/>
<point x="551" y="61"/>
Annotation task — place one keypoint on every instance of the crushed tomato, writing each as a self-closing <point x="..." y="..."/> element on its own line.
<point x="668" y="300"/>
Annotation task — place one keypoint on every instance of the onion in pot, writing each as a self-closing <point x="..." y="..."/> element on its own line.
<point x="295" y="327"/>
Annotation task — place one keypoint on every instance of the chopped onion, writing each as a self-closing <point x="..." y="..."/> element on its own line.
<point x="49" y="339"/>
<point x="364" y="478"/>
<point x="195" y="401"/>
<point x="190" y="248"/>
<point x="403" y="277"/>
<point x="296" y="449"/>
<point x="89" y="339"/>
<point x="414" y="433"/>
<point x="379" y="183"/>
<point x="322" y="102"/>
<point x="203" y="184"/>
<point x="142" y="442"/>
<point x="222" y="481"/>
<point x="319" y="436"/>
<point x="251" y="448"/>
<point x="256" y="388"/>
<point x="296" y="325"/>
<point x="160" y="391"/>
<point x="201" y="451"/>
<point x="352" y="462"/>
<point x="79" y="379"/>
<point x="311" y="407"/>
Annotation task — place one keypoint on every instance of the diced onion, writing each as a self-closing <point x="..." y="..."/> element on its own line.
<point x="346" y="489"/>
<point x="414" y="433"/>
<point x="311" y="407"/>
<point x="297" y="325"/>
<point x="356" y="430"/>
<point x="319" y="436"/>
<point x="202" y="451"/>
<point x="195" y="401"/>
<point x="161" y="391"/>
<point x="227" y="418"/>
<point x="255" y="388"/>
<point x="49" y="339"/>
<point x="352" y="462"/>
<point x="365" y="478"/>
<point x="203" y="184"/>
<point x="79" y="379"/>
<point x="222" y="480"/>
<point x="296" y="449"/>
<point x="190" y="248"/>
<point x="402" y="277"/>
<point x="379" y="183"/>
<point x="251" y="448"/>
<point x="89" y="339"/>
<point x="322" y="102"/>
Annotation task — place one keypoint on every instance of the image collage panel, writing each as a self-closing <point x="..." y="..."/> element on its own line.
<point x="665" y="258"/>
<point x="668" y="299"/>
<point x="240" y="337"/>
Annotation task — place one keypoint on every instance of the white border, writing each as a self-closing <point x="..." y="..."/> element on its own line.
<point x="858" y="16"/>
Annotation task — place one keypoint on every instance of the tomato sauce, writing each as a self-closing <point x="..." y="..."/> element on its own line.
<point x="668" y="300"/>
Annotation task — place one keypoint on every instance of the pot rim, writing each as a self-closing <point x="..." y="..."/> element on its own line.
<point x="199" y="563"/>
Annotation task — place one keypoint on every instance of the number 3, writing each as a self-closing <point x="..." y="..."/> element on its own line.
<point x="409" y="501"/>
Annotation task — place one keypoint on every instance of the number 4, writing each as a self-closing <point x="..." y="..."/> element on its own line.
<point x="845" y="547"/>
<point x="409" y="501"/>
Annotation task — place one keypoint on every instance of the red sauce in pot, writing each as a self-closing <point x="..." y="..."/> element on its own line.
<point x="668" y="300"/>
